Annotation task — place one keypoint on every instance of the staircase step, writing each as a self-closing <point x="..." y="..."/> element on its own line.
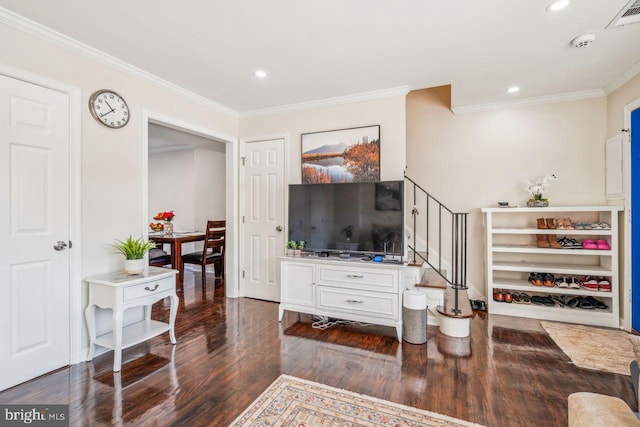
<point x="431" y="279"/>
<point x="419" y="261"/>
<point x="449" y="303"/>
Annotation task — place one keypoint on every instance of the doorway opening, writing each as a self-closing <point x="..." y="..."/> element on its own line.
<point x="191" y="171"/>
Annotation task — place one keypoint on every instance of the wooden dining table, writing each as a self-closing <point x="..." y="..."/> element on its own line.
<point x="176" y="240"/>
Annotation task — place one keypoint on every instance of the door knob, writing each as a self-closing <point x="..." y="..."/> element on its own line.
<point x="279" y="228"/>
<point x="60" y="245"/>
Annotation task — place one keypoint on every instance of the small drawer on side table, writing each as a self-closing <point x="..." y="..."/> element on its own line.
<point x="148" y="289"/>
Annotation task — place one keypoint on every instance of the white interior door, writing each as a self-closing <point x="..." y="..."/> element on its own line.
<point x="34" y="215"/>
<point x="263" y="216"/>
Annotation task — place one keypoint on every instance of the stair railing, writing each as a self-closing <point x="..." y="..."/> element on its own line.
<point x="454" y="227"/>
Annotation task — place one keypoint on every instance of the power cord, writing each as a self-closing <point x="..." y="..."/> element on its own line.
<point x="324" y="322"/>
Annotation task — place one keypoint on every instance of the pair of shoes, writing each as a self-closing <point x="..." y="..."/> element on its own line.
<point x="600" y="244"/>
<point x="521" y="298"/>
<point x="590" y="302"/>
<point x="543" y="300"/>
<point x="502" y="296"/>
<point x="478" y="305"/>
<point x="547" y="240"/>
<point x="569" y="243"/>
<point x="564" y="224"/>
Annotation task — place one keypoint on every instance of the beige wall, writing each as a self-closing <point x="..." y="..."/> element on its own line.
<point x="617" y="100"/>
<point x="111" y="160"/>
<point x="389" y="113"/>
<point x="472" y="161"/>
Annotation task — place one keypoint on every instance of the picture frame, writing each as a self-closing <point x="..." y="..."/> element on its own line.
<point x="341" y="155"/>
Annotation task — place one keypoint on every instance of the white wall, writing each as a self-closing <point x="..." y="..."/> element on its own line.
<point x="191" y="183"/>
<point x="172" y="177"/>
<point x="472" y="161"/>
<point x="389" y="113"/>
<point x="111" y="160"/>
<point x="209" y="187"/>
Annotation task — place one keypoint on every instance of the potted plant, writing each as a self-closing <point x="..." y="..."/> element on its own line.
<point x="291" y="247"/>
<point x="537" y="189"/>
<point x="134" y="252"/>
<point x="300" y="247"/>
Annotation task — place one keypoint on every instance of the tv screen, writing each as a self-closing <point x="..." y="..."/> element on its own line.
<point x="353" y="217"/>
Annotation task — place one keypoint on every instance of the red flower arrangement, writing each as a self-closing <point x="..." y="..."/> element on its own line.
<point x="164" y="216"/>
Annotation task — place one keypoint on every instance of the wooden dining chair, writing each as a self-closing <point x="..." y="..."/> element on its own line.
<point x="212" y="252"/>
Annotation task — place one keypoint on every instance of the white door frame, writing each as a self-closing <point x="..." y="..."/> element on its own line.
<point x="626" y="289"/>
<point x="231" y="196"/>
<point x="242" y="188"/>
<point x="76" y="309"/>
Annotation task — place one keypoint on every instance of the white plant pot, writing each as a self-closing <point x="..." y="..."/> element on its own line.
<point x="134" y="266"/>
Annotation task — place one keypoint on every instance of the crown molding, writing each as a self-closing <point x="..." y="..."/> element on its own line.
<point x="329" y="102"/>
<point x="550" y="99"/>
<point x="35" y="29"/>
<point x="631" y="72"/>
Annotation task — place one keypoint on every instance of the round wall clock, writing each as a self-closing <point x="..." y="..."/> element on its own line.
<point x="109" y="108"/>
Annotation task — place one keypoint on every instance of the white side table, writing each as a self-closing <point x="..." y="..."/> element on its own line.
<point x="119" y="291"/>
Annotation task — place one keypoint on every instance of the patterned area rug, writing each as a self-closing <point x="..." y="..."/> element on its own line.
<point x="589" y="347"/>
<point x="291" y="401"/>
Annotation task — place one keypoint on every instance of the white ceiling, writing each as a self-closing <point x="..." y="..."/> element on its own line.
<point x="316" y="49"/>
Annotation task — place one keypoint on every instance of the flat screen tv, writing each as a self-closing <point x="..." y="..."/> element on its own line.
<point x="352" y="217"/>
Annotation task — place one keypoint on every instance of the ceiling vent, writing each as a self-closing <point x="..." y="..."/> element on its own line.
<point x="583" y="41"/>
<point x="630" y="14"/>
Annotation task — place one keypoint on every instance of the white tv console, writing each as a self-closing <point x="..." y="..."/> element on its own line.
<point x="362" y="291"/>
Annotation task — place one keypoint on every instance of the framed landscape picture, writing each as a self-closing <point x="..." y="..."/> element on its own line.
<point x="343" y="155"/>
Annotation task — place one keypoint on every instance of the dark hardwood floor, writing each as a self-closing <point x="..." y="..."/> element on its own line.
<point x="508" y="373"/>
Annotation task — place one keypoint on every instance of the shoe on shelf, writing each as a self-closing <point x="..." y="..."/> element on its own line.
<point x="602" y="245"/>
<point x="604" y="285"/>
<point x="590" y="285"/>
<point x="498" y="295"/>
<point x="562" y="282"/>
<point x="535" y="279"/>
<point x="550" y="223"/>
<point x="542" y="241"/>
<point x="553" y="241"/>
<point x="574" y="283"/>
<point x="507" y="296"/>
<point x="549" y="280"/>
<point x="541" y="223"/>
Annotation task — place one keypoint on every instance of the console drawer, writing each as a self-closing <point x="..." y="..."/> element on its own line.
<point x="148" y="289"/>
<point x="373" y="278"/>
<point x="361" y="302"/>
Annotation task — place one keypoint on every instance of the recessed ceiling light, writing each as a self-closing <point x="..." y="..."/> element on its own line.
<point x="558" y="5"/>
<point x="261" y="74"/>
<point x="513" y="89"/>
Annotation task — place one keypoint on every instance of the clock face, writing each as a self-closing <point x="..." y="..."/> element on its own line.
<point x="109" y="108"/>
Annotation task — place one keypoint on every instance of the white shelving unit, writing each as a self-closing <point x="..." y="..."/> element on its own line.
<point x="512" y="254"/>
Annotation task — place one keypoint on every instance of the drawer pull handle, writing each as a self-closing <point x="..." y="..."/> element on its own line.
<point x="355" y="276"/>
<point x="354" y="301"/>
<point x="146" y="288"/>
